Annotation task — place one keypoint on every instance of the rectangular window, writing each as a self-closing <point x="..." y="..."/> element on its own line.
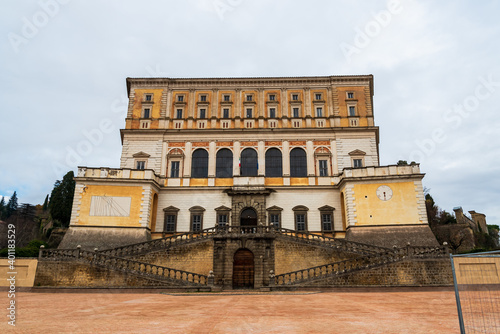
<point x="203" y="98"/>
<point x="350" y="95"/>
<point x="295" y="112"/>
<point x="174" y="170"/>
<point x="319" y="112"/>
<point x="326" y="222"/>
<point x="295" y="97"/>
<point x="357" y="163"/>
<point x="140" y="165"/>
<point x="323" y="168"/>
<point x="203" y="113"/>
<point x="196" y="223"/>
<point x="222" y="220"/>
<point x="318" y="96"/>
<point x="225" y="113"/>
<point x="272" y="97"/>
<point x="148" y="97"/>
<point x="352" y="111"/>
<point x="170" y="223"/>
<point x="227" y="98"/>
<point x="300" y="222"/>
<point x="147" y="112"/>
<point x="275" y="220"/>
<point x="249" y="113"/>
<point x="272" y="112"/>
<point x="249" y="98"/>
<point x="180" y="98"/>
<point x="179" y="113"/>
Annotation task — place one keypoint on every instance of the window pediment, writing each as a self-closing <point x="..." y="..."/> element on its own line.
<point x="357" y="152"/>
<point x="222" y="208"/>
<point x="300" y="208"/>
<point x="274" y="208"/>
<point x="326" y="208"/>
<point x="141" y="154"/>
<point x="171" y="209"/>
<point x="197" y="209"/>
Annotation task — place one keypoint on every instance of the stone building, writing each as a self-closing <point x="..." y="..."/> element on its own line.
<point x="296" y="154"/>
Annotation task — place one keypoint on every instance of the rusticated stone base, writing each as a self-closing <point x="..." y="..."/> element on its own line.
<point x="414" y="272"/>
<point x="77" y="274"/>
<point x="103" y="237"/>
<point x="388" y="236"/>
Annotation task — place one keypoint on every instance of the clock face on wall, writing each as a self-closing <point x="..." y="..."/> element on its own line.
<point x="384" y="193"/>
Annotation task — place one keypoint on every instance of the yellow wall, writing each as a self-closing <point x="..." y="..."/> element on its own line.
<point x="402" y="208"/>
<point x="137" y="107"/>
<point x="133" y="220"/>
<point x="25" y="269"/>
<point x="475" y="270"/>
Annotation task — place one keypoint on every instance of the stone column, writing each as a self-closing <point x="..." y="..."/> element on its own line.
<point x="286" y="158"/>
<point x="261" y="151"/>
<point x="187" y="159"/>
<point x="211" y="158"/>
<point x="310" y="158"/>
<point x="236" y="158"/>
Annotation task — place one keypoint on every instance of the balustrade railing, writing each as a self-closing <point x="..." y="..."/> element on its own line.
<point x="360" y="263"/>
<point x="122" y="264"/>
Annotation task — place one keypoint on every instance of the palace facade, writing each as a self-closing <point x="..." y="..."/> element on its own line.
<point x="297" y="153"/>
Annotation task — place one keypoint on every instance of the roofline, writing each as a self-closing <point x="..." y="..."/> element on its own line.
<point x="166" y="80"/>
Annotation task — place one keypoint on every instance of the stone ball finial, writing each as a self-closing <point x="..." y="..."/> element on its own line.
<point x="445" y="243"/>
<point x="211" y="273"/>
<point x="96" y="249"/>
<point x="42" y="247"/>
<point x="408" y="243"/>
<point x="79" y="247"/>
<point x="394" y="246"/>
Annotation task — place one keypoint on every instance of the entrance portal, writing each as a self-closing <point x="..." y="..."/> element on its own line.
<point x="243" y="269"/>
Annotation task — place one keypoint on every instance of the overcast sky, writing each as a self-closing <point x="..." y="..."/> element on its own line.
<point x="436" y="66"/>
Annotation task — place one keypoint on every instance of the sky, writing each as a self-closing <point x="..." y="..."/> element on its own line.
<point x="436" y="68"/>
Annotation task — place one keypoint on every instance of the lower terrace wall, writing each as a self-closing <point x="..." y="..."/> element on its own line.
<point x="195" y="258"/>
<point x="414" y="272"/>
<point x="77" y="274"/>
<point x="292" y="256"/>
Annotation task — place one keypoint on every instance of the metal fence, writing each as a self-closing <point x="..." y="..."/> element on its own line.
<point x="477" y="291"/>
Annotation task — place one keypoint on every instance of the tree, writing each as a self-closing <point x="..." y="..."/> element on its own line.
<point x="402" y="163"/>
<point x="45" y="203"/>
<point x="61" y="199"/>
<point x="2" y="208"/>
<point x="11" y="205"/>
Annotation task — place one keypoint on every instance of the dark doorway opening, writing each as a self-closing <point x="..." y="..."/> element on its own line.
<point x="248" y="217"/>
<point x="243" y="269"/>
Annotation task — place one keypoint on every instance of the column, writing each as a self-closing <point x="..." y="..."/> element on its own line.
<point x="286" y="158"/>
<point x="211" y="158"/>
<point x="236" y="158"/>
<point x="261" y="151"/>
<point x="310" y="158"/>
<point x="187" y="159"/>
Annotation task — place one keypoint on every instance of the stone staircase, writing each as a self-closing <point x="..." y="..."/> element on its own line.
<point x="349" y="266"/>
<point x="249" y="232"/>
<point x="144" y="270"/>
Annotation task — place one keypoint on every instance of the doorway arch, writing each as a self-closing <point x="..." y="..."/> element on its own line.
<point x="243" y="269"/>
<point x="248" y="217"/>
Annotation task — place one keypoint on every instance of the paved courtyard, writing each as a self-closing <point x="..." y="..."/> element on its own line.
<point x="327" y="312"/>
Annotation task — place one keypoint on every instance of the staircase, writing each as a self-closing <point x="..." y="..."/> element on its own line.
<point x="249" y="232"/>
<point x="357" y="264"/>
<point x="145" y="270"/>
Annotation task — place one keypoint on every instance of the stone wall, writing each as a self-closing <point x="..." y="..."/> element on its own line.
<point x="195" y="258"/>
<point x="292" y="256"/>
<point x="77" y="274"/>
<point x="414" y="272"/>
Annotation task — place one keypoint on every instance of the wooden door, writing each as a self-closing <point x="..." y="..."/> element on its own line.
<point x="243" y="269"/>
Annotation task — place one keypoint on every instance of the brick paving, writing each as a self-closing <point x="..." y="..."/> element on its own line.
<point x="416" y="311"/>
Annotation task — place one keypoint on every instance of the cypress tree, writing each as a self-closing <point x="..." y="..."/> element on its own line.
<point x="11" y="205"/>
<point x="61" y="199"/>
<point x="45" y="203"/>
<point x="2" y="208"/>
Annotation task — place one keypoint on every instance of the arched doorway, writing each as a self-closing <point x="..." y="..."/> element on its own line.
<point x="243" y="269"/>
<point x="248" y="218"/>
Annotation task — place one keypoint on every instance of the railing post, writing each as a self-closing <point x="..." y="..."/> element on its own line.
<point x="40" y="251"/>
<point x="272" y="278"/>
<point x="78" y="249"/>
<point x="211" y="278"/>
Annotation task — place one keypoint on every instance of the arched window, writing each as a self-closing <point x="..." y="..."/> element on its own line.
<point x="249" y="162"/>
<point x="224" y="163"/>
<point x="274" y="163"/>
<point x="199" y="164"/>
<point x="298" y="163"/>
